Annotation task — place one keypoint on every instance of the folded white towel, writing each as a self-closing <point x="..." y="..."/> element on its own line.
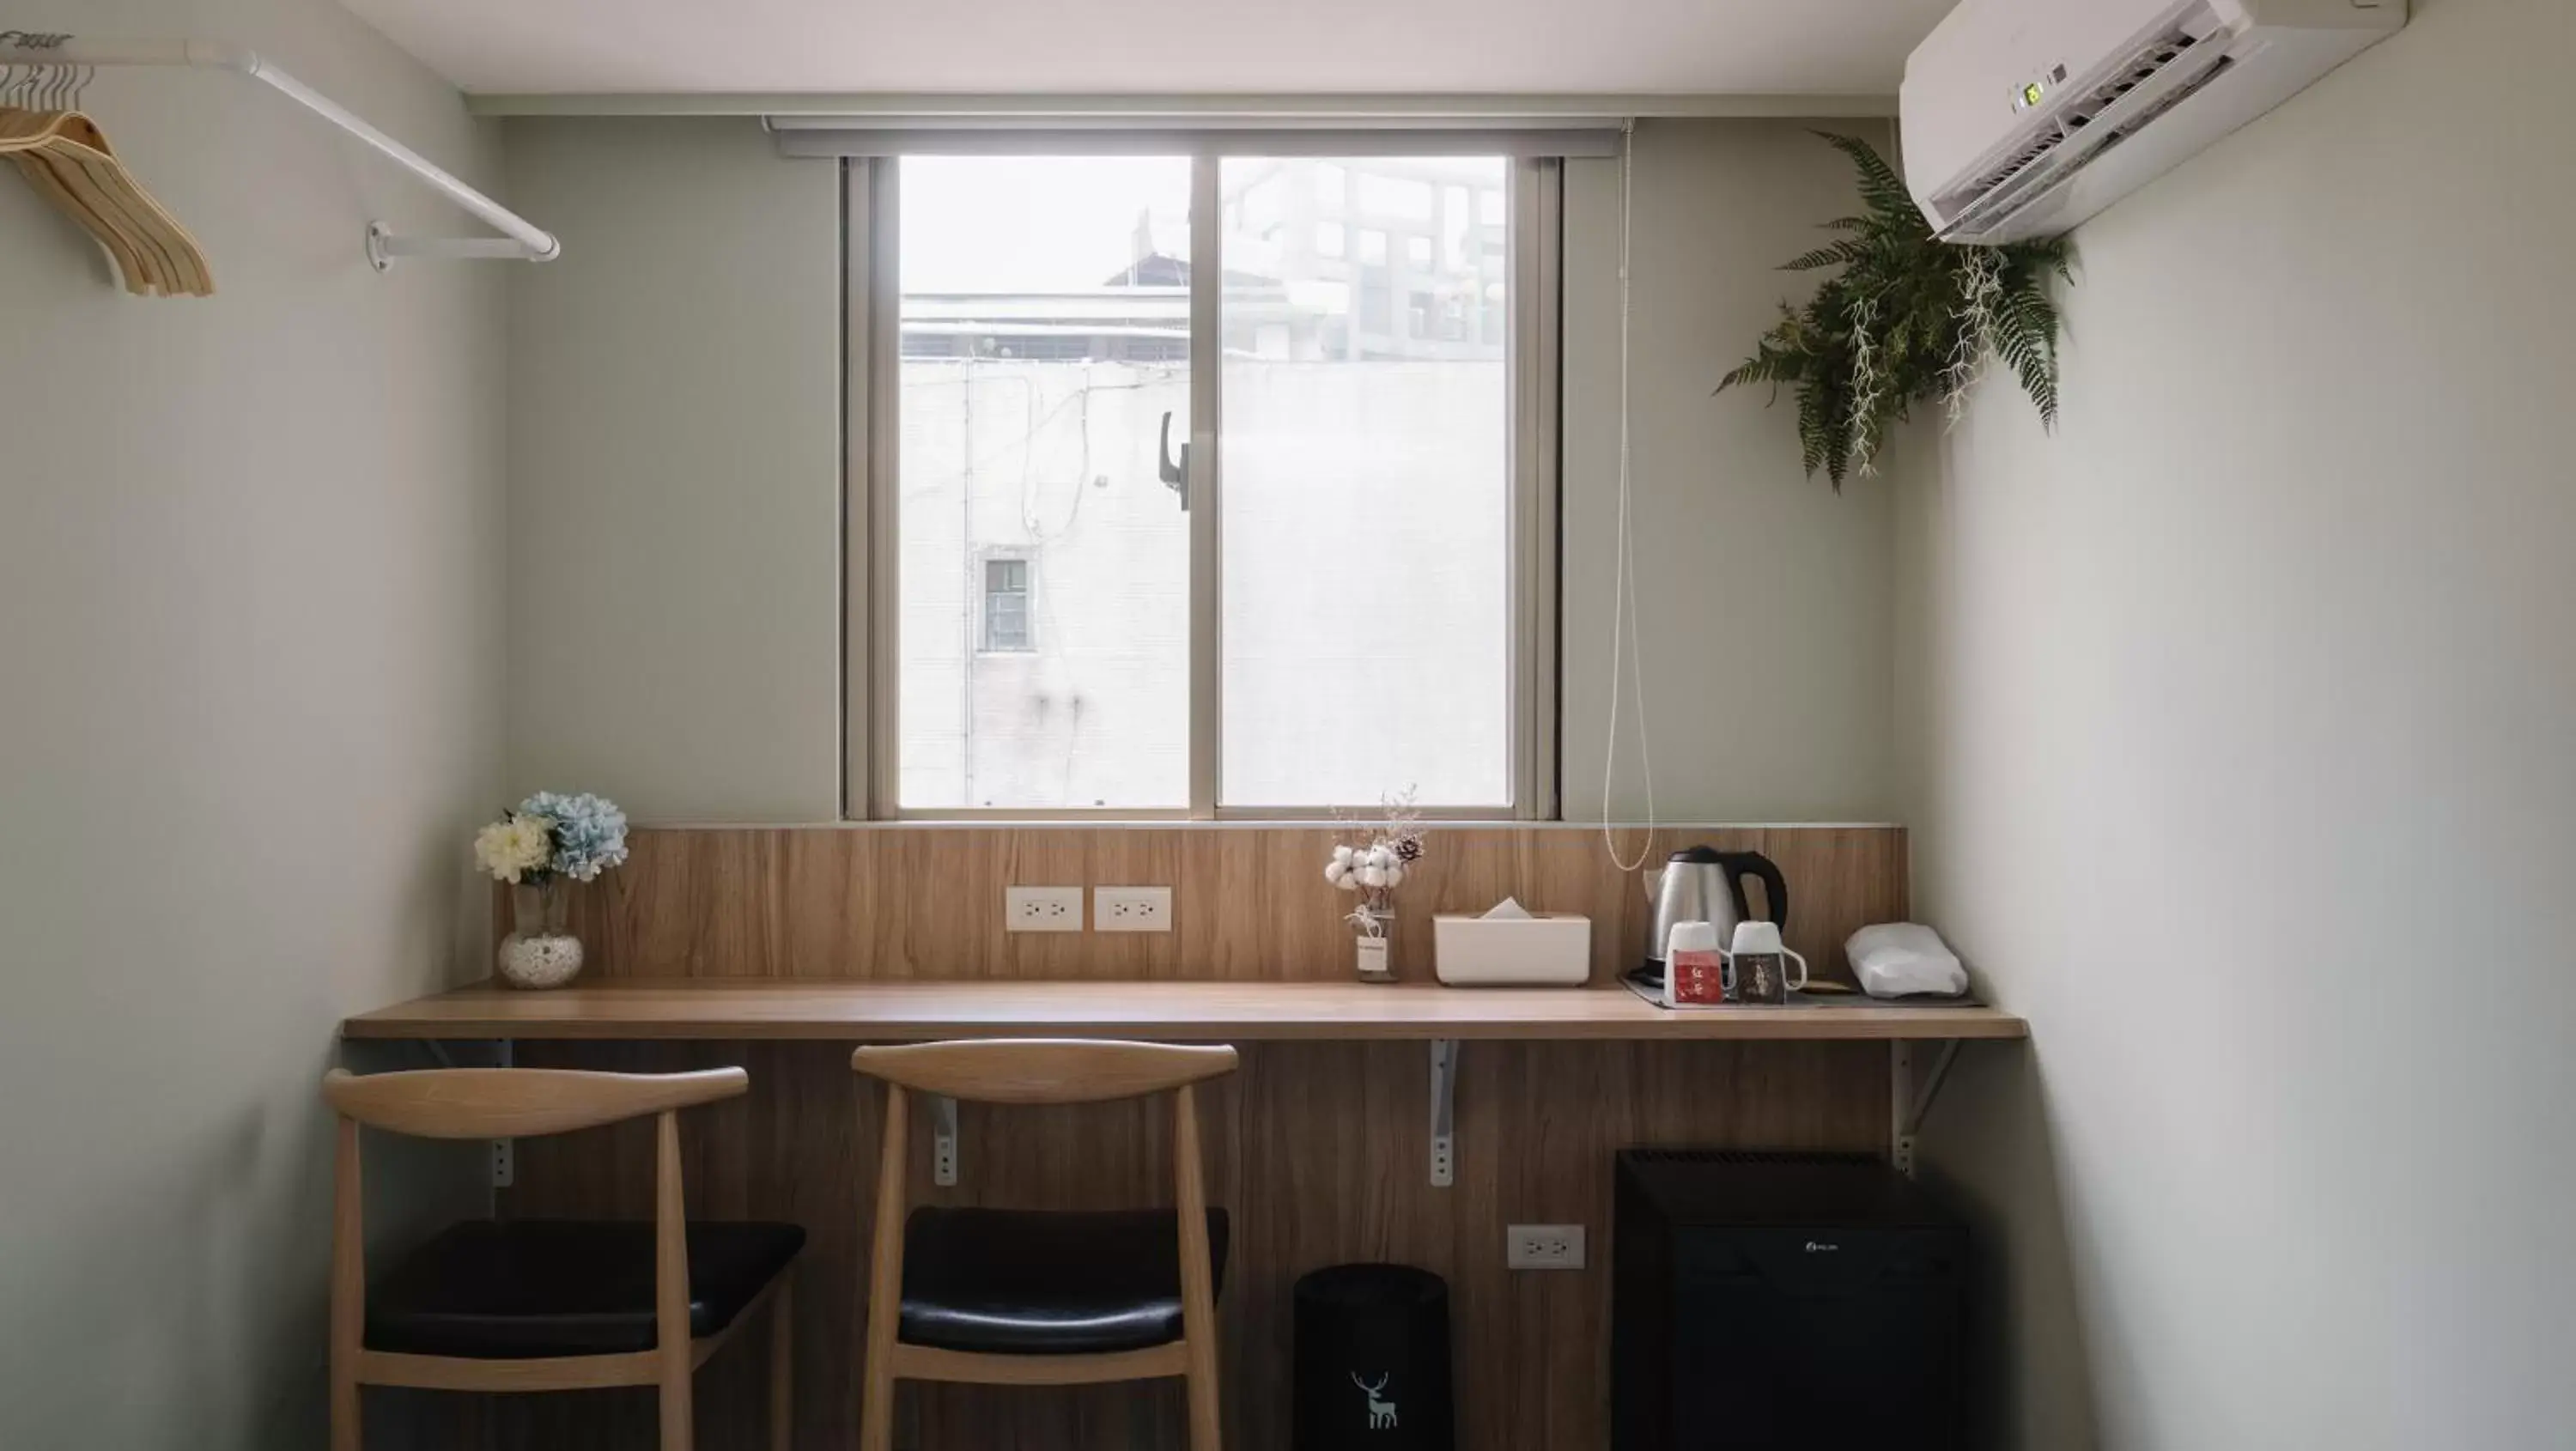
<point x="1905" y="959"/>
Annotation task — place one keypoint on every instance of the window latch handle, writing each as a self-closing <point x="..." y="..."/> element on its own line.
<point x="1176" y="475"/>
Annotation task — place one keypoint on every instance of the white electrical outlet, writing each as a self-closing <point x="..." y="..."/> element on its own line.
<point x="1042" y="909"/>
<point x="1131" y="909"/>
<point x="1543" y="1247"/>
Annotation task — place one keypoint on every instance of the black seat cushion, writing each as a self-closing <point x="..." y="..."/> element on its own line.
<point x="541" y="1287"/>
<point x="1021" y="1282"/>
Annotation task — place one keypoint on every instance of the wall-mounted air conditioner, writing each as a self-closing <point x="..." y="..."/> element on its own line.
<point x="2024" y="117"/>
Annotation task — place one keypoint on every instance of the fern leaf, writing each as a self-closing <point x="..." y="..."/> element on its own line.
<point x="1880" y="187"/>
<point x="2025" y="335"/>
<point x="1845" y="251"/>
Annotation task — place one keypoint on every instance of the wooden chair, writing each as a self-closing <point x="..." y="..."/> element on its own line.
<point x="1014" y="1297"/>
<point x="548" y="1305"/>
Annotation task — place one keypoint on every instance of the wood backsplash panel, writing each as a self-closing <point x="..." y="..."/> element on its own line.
<point x="1319" y="1151"/>
<point x="1248" y="903"/>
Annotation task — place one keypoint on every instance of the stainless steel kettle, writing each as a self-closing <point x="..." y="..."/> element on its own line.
<point x="1704" y="884"/>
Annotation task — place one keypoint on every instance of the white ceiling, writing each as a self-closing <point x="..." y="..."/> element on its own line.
<point x="1559" y="47"/>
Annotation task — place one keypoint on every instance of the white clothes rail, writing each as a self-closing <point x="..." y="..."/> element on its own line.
<point x="520" y="239"/>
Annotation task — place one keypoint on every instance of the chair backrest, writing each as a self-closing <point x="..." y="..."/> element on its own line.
<point x="504" y="1103"/>
<point x="1040" y="1071"/>
<point x="517" y="1103"/>
<point x="1043" y="1070"/>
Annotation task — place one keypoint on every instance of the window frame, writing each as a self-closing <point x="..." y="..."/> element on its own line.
<point x="872" y="433"/>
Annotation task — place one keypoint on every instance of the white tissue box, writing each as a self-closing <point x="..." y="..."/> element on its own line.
<point x="1546" y="949"/>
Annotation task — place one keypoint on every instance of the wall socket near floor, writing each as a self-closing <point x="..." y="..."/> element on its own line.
<point x="1042" y="909"/>
<point x="1131" y="909"/>
<point x="1543" y="1247"/>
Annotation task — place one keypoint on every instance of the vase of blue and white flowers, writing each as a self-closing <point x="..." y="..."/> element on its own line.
<point x="539" y="847"/>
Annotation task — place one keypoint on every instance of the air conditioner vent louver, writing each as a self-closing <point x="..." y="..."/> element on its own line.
<point x="2138" y="123"/>
<point x="2150" y="61"/>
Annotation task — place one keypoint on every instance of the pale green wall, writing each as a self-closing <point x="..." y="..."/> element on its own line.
<point x="675" y="472"/>
<point x="250" y="634"/>
<point x="1763" y="596"/>
<point x="2243" y="724"/>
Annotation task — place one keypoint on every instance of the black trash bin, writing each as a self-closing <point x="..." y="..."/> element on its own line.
<point x="1372" y="1360"/>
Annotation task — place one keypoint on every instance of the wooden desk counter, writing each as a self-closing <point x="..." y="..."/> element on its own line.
<point x="710" y="1009"/>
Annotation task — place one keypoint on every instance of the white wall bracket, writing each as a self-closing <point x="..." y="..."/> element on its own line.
<point x="520" y="238"/>
<point x="1907" y="1103"/>
<point x="505" y="1152"/>
<point x="943" y="1141"/>
<point x="1444" y="1128"/>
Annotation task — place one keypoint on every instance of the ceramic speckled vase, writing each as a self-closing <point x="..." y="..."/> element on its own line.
<point x="541" y="951"/>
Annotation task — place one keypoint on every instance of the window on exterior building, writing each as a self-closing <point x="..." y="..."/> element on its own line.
<point x="1377" y="303"/>
<point x="1006" y="603"/>
<point x="1402" y="198"/>
<point x="1289" y="512"/>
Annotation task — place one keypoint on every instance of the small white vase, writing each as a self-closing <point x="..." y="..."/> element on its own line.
<point x="541" y="952"/>
<point x="1375" y="950"/>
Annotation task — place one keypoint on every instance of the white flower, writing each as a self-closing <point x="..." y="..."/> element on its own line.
<point x="1342" y="856"/>
<point x="1338" y="873"/>
<point x="514" y="846"/>
<point x="1373" y="876"/>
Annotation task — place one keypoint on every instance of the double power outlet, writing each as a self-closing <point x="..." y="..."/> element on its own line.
<point x="1543" y="1247"/>
<point x="1113" y="909"/>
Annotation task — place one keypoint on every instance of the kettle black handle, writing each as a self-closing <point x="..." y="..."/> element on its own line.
<point x="1775" y="887"/>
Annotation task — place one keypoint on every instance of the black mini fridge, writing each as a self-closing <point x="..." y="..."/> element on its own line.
<point x="1783" y="1302"/>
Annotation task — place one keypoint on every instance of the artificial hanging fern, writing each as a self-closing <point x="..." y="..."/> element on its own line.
<point x="1909" y="319"/>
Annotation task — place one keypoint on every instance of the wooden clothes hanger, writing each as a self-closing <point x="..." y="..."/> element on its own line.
<point x="66" y="158"/>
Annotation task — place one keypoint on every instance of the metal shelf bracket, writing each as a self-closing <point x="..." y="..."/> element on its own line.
<point x="943" y="1141"/>
<point x="1444" y="1093"/>
<point x="1907" y="1103"/>
<point x="505" y="1152"/>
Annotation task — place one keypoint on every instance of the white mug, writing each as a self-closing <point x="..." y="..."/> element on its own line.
<point x="1760" y="938"/>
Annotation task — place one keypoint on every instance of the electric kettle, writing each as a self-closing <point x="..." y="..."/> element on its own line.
<point x="1704" y="884"/>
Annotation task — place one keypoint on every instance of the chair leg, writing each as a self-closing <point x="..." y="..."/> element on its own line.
<point x="1206" y="1428"/>
<point x="679" y="1412"/>
<point x="885" y="1278"/>
<point x="876" y="1412"/>
<point x="347" y="1428"/>
<point x="782" y="1366"/>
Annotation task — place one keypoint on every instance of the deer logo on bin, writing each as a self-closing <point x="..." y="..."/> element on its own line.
<point x="1381" y="1413"/>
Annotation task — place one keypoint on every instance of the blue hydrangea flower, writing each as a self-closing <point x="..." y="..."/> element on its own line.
<point x="590" y="832"/>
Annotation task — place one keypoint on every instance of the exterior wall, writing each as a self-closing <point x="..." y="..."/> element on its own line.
<point x="1347" y="575"/>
